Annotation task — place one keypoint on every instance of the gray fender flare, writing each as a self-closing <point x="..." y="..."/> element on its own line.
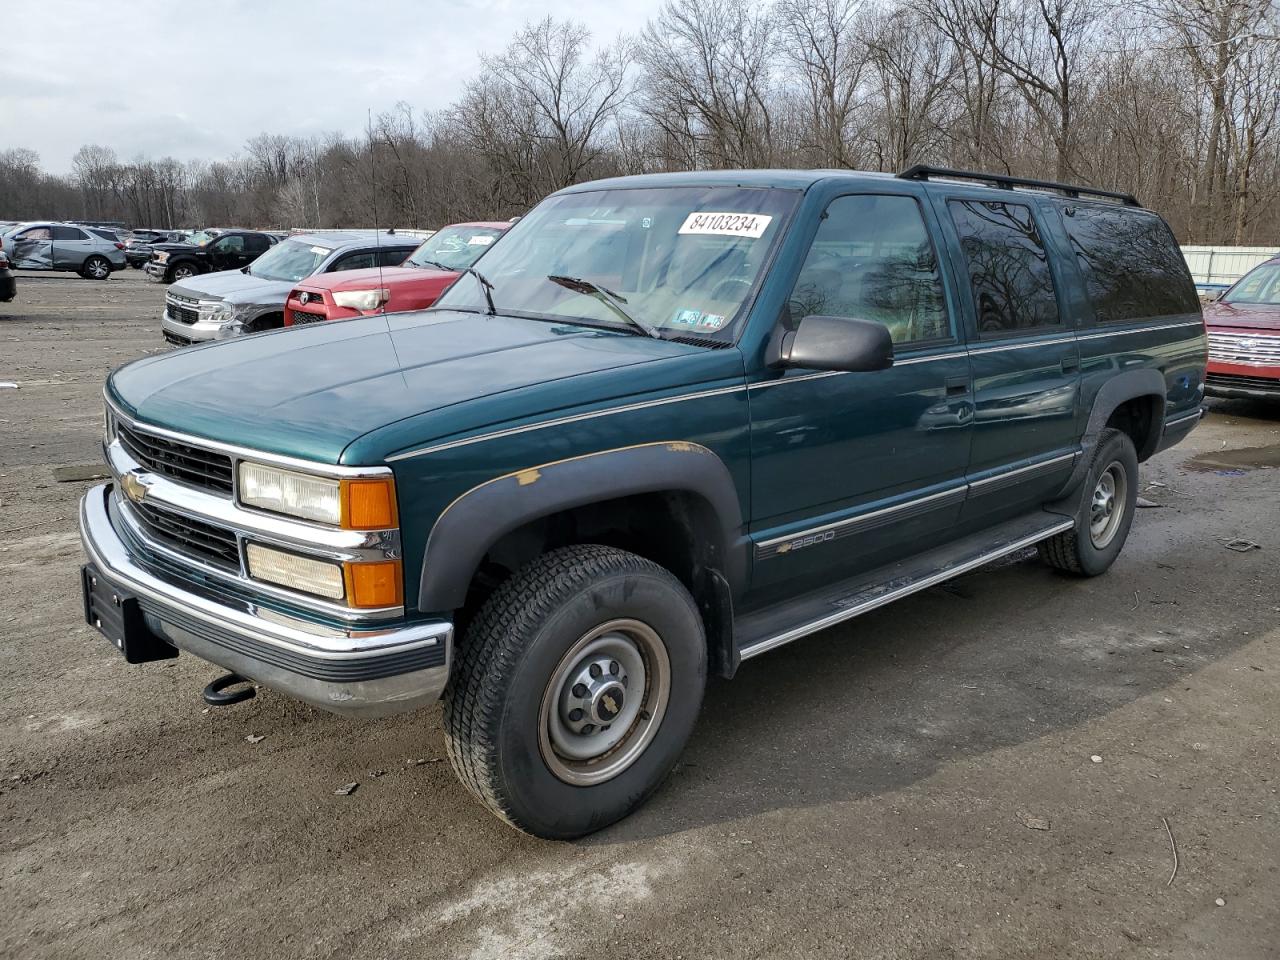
<point x="1119" y="389"/>
<point x="470" y="525"/>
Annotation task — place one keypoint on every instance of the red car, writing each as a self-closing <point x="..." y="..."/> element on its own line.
<point x="1244" y="336"/>
<point x="414" y="285"/>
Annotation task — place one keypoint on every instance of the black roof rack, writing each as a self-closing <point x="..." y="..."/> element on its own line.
<point x="923" y="171"/>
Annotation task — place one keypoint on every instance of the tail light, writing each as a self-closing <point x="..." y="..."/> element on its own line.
<point x="119" y="245"/>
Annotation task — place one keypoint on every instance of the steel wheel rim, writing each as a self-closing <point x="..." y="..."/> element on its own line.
<point x="634" y="709"/>
<point x="1107" y="505"/>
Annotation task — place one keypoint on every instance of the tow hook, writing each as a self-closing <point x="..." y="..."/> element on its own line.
<point x="214" y="696"/>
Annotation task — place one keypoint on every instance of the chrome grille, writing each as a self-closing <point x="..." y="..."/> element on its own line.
<point x="176" y="460"/>
<point x="195" y="538"/>
<point x="1268" y="384"/>
<point x="182" y="309"/>
<point x="1255" y="350"/>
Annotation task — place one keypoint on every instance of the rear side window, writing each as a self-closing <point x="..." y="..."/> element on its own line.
<point x="1008" y="266"/>
<point x="1131" y="265"/>
<point x="105" y="234"/>
<point x="872" y="260"/>
<point x="68" y="233"/>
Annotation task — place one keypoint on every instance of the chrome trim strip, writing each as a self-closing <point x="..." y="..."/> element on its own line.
<point x="237" y="453"/>
<point x="1150" y="329"/>
<point x="908" y="361"/>
<point x="1197" y="413"/>
<point x="830" y="620"/>
<point x="861" y="517"/>
<point x="108" y="553"/>
<point x="1005" y="474"/>
<point x="1025" y="345"/>
<point x="561" y="421"/>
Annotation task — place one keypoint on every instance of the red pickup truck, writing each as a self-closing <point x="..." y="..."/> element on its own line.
<point x="414" y="285"/>
<point x="1244" y="336"/>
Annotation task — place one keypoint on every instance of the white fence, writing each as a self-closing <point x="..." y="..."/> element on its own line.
<point x="1224" y="264"/>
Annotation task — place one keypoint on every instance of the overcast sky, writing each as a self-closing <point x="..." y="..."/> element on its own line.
<point x="192" y="79"/>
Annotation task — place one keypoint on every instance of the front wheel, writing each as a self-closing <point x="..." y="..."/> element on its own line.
<point x="96" y="268"/>
<point x="1110" y="493"/>
<point x="183" y="271"/>
<point x="579" y="684"/>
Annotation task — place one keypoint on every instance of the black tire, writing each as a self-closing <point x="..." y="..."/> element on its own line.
<point x="498" y="700"/>
<point x="1082" y="550"/>
<point x="96" y="268"/>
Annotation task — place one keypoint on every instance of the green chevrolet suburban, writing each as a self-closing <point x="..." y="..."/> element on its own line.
<point x="669" y="424"/>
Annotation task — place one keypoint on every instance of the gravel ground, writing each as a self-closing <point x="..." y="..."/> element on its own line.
<point x="985" y="769"/>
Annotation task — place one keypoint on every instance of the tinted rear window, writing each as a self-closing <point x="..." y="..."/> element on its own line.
<point x="1131" y="265"/>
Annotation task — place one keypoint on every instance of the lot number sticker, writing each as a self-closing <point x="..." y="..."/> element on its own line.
<point x="750" y="225"/>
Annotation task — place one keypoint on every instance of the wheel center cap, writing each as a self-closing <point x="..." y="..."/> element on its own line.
<point x="607" y="703"/>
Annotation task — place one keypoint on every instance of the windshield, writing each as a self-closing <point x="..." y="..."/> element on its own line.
<point x="200" y="238"/>
<point x="291" y="260"/>
<point x="1259" y="285"/>
<point x="454" y="247"/>
<point x="683" y="260"/>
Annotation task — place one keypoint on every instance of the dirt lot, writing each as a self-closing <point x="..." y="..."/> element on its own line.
<point x="880" y="790"/>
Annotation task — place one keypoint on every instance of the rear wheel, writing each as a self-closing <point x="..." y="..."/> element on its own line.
<point x="1107" y="504"/>
<point x="578" y="685"/>
<point x="96" y="268"/>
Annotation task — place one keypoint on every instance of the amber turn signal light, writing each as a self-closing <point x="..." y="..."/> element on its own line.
<point x="377" y="584"/>
<point x="369" y="504"/>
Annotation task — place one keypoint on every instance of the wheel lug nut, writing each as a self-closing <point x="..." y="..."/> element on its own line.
<point x="575" y="715"/>
<point x="595" y="671"/>
<point x="613" y="667"/>
<point x="589" y="728"/>
<point x="580" y="690"/>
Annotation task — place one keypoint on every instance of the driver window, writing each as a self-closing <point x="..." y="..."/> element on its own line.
<point x="36" y="233"/>
<point x="230" y="245"/>
<point x="872" y="260"/>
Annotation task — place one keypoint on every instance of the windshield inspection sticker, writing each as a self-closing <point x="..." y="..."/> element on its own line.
<point x="479" y="241"/>
<point x="709" y="322"/>
<point x="750" y="225"/>
<point x="686" y="318"/>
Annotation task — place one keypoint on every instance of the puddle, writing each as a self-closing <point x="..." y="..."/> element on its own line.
<point x="1248" y="458"/>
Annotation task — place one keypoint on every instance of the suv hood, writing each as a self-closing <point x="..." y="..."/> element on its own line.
<point x="372" y="278"/>
<point x="1253" y="316"/>
<point x="310" y="392"/>
<point x="233" y="285"/>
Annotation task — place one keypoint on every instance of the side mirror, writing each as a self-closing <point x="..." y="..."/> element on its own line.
<point x="837" y="343"/>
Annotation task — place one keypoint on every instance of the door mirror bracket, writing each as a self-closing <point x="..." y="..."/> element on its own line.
<point x="834" y="343"/>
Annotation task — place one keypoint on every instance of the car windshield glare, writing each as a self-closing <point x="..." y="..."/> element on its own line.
<point x="291" y="260"/>
<point x="683" y="260"/>
<point x="1261" y="285"/>
<point x="201" y="238"/>
<point x="454" y="248"/>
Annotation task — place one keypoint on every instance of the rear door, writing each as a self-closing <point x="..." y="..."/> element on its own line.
<point x="32" y="249"/>
<point x="1023" y="352"/>
<point x="71" y="247"/>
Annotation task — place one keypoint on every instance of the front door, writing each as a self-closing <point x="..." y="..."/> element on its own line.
<point x="32" y="249"/>
<point x="227" y="253"/>
<point x="1026" y="366"/>
<point x="852" y="470"/>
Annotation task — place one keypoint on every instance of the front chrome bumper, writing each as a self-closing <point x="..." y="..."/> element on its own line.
<point x="366" y="671"/>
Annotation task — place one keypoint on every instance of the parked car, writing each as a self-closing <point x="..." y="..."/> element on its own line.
<point x="1244" y="336"/>
<point x="252" y="299"/>
<point x="8" y="283"/>
<point x="668" y="424"/>
<point x="206" y="252"/>
<point x="44" y="245"/>
<point x="137" y="251"/>
<point x="413" y="285"/>
<point x="148" y="235"/>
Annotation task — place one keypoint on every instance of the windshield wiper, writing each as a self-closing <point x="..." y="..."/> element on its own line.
<point x="433" y="263"/>
<point x="485" y="286"/>
<point x="606" y="296"/>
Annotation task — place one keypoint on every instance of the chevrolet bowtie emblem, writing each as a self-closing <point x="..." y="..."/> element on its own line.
<point x="133" y="488"/>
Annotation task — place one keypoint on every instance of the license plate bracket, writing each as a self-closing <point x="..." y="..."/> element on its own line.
<point x="118" y="616"/>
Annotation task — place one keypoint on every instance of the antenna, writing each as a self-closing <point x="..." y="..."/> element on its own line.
<point x="377" y="234"/>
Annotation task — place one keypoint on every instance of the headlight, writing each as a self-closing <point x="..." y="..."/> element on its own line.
<point x="217" y="311"/>
<point x="362" y="299"/>
<point x="162" y="256"/>
<point x="296" y="572"/>
<point x="357" y="504"/>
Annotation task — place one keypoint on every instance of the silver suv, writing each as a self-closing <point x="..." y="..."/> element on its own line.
<point x="46" y="245"/>
<point x="216" y="306"/>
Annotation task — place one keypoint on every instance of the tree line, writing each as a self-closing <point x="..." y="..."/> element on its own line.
<point x="1176" y="101"/>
